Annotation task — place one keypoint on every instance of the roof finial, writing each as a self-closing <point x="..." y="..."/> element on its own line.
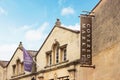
<point x="58" y="23"/>
<point x="20" y="45"/>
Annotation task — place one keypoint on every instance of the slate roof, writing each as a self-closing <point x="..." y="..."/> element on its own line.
<point x="3" y="63"/>
<point x="32" y="52"/>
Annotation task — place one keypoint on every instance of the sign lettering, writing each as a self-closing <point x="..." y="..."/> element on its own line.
<point x="86" y="40"/>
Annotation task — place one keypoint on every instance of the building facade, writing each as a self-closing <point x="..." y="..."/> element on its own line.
<point x="15" y="67"/>
<point x="59" y="56"/>
<point x="105" y="42"/>
<point x="56" y="59"/>
<point x="3" y="71"/>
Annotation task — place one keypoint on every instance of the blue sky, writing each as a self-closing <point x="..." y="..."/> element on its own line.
<point x="30" y="21"/>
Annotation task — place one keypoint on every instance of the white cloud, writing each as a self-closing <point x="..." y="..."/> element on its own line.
<point x="6" y="51"/>
<point x="36" y="34"/>
<point x="32" y="39"/>
<point x="3" y="11"/>
<point x="73" y="27"/>
<point x="67" y="11"/>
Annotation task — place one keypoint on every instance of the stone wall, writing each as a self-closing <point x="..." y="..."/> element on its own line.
<point x="1" y="73"/>
<point x="106" y="43"/>
<point x="63" y="37"/>
<point x="106" y="25"/>
<point x="61" y="69"/>
<point x="107" y="65"/>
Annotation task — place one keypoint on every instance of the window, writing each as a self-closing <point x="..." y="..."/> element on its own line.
<point x="22" y="68"/>
<point x="49" y="57"/>
<point x="57" y="54"/>
<point x="14" y="69"/>
<point x="18" y="67"/>
<point x="63" y="50"/>
<point x="64" y="53"/>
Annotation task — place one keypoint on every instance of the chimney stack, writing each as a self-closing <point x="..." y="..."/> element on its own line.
<point x="58" y="23"/>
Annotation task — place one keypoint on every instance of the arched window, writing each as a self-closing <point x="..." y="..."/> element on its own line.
<point x="57" y="55"/>
<point x="55" y="52"/>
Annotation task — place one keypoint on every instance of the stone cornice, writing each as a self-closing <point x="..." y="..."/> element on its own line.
<point x="58" y="66"/>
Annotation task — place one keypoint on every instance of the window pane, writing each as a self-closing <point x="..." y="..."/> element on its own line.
<point x="65" y="55"/>
<point x="57" y="55"/>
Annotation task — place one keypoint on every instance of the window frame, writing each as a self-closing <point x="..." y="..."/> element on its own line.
<point x="63" y="54"/>
<point x="49" y="58"/>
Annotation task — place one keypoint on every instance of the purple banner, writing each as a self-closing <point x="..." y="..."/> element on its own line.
<point x="28" y="61"/>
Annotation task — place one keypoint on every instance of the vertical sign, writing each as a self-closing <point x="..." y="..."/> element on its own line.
<point x="86" y="40"/>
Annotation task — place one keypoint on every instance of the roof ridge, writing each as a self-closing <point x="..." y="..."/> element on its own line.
<point x="76" y="31"/>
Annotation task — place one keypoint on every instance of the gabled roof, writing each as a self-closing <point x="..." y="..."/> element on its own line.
<point x="95" y="6"/>
<point x="31" y="52"/>
<point x="3" y="63"/>
<point x="58" y="24"/>
<point x="34" y="53"/>
<point x="74" y="31"/>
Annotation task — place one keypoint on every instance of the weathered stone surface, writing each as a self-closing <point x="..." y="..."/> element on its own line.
<point x="106" y="43"/>
<point x="106" y="25"/>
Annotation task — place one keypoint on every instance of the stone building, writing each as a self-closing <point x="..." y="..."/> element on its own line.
<point x="15" y="68"/>
<point x="105" y="41"/>
<point x="3" y="70"/>
<point x="56" y="59"/>
<point x="59" y="55"/>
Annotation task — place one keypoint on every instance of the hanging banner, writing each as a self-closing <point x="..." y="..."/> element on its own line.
<point x="86" y="40"/>
<point x="28" y="61"/>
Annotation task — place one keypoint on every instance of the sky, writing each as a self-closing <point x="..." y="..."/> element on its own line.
<point x="30" y="21"/>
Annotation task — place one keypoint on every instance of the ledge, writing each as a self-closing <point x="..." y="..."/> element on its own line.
<point x="58" y="64"/>
<point x="18" y="75"/>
